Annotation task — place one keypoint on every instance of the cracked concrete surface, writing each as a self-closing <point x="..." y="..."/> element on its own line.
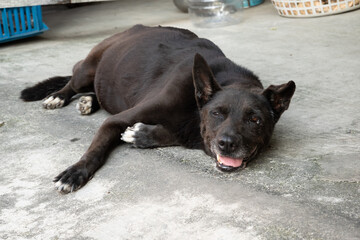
<point x="305" y="186"/>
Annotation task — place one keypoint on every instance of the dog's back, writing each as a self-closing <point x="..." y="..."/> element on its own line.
<point x="148" y="61"/>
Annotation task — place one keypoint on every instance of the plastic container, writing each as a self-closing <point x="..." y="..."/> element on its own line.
<point x="251" y="3"/>
<point x="183" y="5"/>
<point x="20" y="22"/>
<point x="313" y="8"/>
<point x="215" y="13"/>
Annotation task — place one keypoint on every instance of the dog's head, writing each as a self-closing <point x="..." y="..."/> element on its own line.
<point x="236" y="124"/>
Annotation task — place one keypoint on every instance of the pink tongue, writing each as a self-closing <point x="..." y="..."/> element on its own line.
<point x="232" y="162"/>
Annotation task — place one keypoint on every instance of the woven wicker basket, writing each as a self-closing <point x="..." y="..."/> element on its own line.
<point x="313" y="8"/>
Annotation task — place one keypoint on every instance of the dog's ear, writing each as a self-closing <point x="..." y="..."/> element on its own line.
<point x="204" y="81"/>
<point x="279" y="97"/>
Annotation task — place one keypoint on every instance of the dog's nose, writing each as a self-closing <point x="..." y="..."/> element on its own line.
<point x="227" y="144"/>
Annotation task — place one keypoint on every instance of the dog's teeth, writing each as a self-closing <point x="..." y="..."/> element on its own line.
<point x="218" y="158"/>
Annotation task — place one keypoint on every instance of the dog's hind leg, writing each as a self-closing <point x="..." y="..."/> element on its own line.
<point x="87" y="104"/>
<point x="148" y="136"/>
<point x="81" y="81"/>
<point x="59" y="99"/>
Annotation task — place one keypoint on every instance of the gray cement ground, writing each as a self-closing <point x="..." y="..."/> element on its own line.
<point x="305" y="186"/>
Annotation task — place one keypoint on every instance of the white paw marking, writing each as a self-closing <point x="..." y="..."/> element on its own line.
<point x="51" y="103"/>
<point x="84" y="105"/>
<point x="130" y="132"/>
<point x="49" y="99"/>
<point x="64" y="187"/>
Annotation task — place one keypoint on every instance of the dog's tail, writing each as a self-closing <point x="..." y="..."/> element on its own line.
<point x="43" y="89"/>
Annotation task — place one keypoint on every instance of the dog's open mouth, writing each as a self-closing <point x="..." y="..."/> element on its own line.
<point x="228" y="164"/>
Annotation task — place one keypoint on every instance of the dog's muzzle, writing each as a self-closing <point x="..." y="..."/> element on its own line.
<point x="228" y="164"/>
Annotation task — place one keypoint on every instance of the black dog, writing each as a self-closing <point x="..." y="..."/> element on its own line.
<point x="161" y="95"/>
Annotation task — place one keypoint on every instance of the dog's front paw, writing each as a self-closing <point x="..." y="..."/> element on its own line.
<point x="71" y="179"/>
<point x="53" y="102"/>
<point x="84" y="106"/>
<point x="140" y="135"/>
<point x="131" y="133"/>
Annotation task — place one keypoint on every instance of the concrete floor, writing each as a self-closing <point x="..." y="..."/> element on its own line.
<point x="305" y="186"/>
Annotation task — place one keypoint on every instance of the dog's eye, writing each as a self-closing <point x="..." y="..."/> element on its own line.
<point x="216" y="114"/>
<point x="255" y="119"/>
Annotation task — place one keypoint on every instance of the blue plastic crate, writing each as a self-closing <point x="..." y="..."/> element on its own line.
<point x="251" y="3"/>
<point x="20" y="22"/>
